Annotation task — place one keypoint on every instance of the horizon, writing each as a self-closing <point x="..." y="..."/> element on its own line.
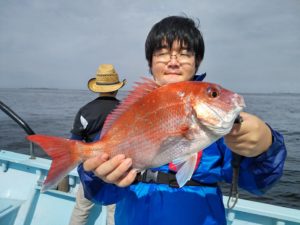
<point x="127" y="90"/>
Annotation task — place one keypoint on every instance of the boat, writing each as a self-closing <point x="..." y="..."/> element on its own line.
<point x="22" y="202"/>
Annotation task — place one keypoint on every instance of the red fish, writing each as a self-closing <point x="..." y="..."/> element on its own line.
<point x="154" y="125"/>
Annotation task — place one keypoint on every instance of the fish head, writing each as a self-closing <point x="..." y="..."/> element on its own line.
<point x="216" y="108"/>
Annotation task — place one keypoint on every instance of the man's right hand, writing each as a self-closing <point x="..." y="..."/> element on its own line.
<point x="116" y="170"/>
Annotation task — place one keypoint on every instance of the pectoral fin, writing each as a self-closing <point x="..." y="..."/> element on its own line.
<point x="185" y="169"/>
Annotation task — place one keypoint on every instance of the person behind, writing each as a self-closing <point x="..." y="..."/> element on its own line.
<point x="88" y="124"/>
<point x="174" y="50"/>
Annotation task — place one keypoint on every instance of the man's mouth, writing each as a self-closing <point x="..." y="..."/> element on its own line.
<point x="172" y="73"/>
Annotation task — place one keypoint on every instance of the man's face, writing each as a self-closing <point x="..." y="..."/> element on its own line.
<point x="173" y="65"/>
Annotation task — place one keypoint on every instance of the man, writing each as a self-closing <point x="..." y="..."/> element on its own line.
<point x="174" y="51"/>
<point x="88" y="124"/>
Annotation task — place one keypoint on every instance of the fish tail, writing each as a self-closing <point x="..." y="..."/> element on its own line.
<point x="64" y="153"/>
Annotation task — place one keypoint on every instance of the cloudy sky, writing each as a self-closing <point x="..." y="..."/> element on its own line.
<point x="251" y="45"/>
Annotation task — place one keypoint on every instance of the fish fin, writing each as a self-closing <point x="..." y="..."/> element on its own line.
<point x="139" y="90"/>
<point x="180" y="161"/>
<point x="185" y="169"/>
<point x="64" y="157"/>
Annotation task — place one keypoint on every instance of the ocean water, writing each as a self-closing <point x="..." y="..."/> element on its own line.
<point x="51" y="112"/>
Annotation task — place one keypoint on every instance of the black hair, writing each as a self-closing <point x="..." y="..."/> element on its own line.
<point x="174" y="28"/>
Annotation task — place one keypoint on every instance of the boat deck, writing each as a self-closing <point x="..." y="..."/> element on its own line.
<point x="22" y="203"/>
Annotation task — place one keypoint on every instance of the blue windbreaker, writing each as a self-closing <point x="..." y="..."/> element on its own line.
<point x="160" y="204"/>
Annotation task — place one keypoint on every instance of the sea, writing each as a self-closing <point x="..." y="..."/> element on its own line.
<point x="52" y="111"/>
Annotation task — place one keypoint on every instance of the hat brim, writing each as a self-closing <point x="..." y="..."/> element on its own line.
<point x="104" y="88"/>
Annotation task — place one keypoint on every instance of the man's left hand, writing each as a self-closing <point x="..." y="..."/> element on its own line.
<point x="249" y="138"/>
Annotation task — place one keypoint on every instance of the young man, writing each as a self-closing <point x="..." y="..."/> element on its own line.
<point x="174" y="51"/>
<point x="89" y="122"/>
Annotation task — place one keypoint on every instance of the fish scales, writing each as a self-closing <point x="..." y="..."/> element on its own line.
<point x="150" y="129"/>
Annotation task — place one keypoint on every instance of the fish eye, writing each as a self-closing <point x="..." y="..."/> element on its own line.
<point x="213" y="92"/>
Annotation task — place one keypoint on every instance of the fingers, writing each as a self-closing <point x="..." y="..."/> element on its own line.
<point x="239" y="129"/>
<point x="92" y="163"/>
<point x="128" y="179"/>
<point x="109" y="166"/>
<point x="236" y="130"/>
<point x="249" y="124"/>
<point x="115" y="170"/>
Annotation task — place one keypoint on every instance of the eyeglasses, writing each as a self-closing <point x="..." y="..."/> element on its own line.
<point x="181" y="57"/>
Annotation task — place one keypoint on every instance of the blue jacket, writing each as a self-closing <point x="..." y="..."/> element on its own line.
<point x="159" y="204"/>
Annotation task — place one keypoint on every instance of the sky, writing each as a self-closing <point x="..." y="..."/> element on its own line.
<point x="252" y="46"/>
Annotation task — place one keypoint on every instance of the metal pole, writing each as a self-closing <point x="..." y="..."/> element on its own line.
<point x="21" y="123"/>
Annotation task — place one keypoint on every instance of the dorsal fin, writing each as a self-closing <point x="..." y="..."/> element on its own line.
<point x="140" y="89"/>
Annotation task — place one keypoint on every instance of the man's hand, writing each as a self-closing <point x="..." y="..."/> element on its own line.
<point x="250" y="138"/>
<point x="115" y="170"/>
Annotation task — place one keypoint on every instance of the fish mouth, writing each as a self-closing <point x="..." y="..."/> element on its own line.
<point x="239" y="105"/>
<point x="240" y="102"/>
<point x="225" y="123"/>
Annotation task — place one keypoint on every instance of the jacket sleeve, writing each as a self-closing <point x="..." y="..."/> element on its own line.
<point x="97" y="190"/>
<point x="258" y="174"/>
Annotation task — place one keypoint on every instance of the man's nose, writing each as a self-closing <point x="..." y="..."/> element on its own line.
<point x="173" y="59"/>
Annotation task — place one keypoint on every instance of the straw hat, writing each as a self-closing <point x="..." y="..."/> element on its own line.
<point x="107" y="80"/>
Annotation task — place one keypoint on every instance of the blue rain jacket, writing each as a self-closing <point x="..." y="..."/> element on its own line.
<point x="159" y="204"/>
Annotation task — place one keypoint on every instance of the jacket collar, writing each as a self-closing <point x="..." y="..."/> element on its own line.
<point x="199" y="77"/>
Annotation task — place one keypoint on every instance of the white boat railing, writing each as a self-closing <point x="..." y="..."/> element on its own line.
<point x="22" y="203"/>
